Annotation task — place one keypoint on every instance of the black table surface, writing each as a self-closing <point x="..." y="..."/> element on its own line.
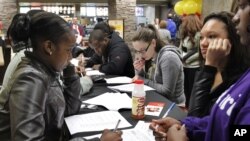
<point x="151" y="96"/>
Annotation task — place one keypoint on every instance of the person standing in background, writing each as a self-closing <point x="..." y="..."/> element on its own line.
<point x="189" y="45"/>
<point x="163" y="32"/>
<point x="99" y="20"/>
<point x="171" y="26"/>
<point x="78" y="30"/>
<point x="156" y="23"/>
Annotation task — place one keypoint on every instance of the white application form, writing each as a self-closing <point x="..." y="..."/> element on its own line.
<point x="129" y="87"/>
<point x="119" y="80"/>
<point x="141" y="132"/>
<point x="94" y="72"/>
<point x="119" y="100"/>
<point x="97" y="121"/>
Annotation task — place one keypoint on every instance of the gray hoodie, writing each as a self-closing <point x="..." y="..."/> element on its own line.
<point x="169" y="76"/>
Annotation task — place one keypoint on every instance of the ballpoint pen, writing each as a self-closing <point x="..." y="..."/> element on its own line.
<point x="169" y="109"/>
<point x="117" y="125"/>
<point x="81" y="74"/>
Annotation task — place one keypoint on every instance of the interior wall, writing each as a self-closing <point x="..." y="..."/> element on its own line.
<point x="210" y="6"/>
<point x="150" y="13"/>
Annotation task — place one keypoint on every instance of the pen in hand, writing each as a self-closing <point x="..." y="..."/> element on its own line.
<point x="81" y="74"/>
<point x="117" y="125"/>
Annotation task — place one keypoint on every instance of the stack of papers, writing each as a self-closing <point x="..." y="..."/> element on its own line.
<point x="129" y="87"/>
<point x="97" y="121"/>
<point x="141" y="132"/>
<point x="112" y="101"/>
<point x="119" y="80"/>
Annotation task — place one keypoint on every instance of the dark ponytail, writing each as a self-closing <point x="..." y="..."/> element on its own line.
<point x="48" y="26"/>
<point x="19" y="31"/>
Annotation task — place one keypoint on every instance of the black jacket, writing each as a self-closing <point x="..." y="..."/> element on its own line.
<point x="117" y="60"/>
<point x="202" y="98"/>
<point x="34" y="104"/>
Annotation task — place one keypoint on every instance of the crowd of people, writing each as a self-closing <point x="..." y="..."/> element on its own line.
<point x="41" y="87"/>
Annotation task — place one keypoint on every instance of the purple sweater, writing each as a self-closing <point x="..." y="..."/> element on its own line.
<point x="231" y="108"/>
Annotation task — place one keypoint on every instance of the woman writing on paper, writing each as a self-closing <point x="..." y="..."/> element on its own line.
<point x="34" y="104"/>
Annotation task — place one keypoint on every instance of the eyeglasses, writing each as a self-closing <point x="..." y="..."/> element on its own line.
<point x="143" y="51"/>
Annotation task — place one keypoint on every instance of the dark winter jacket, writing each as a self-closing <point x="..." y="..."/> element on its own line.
<point x="117" y="59"/>
<point x="34" y="104"/>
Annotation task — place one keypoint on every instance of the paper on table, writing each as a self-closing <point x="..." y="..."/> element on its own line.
<point x="118" y="101"/>
<point x="74" y="61"/>
<point x="94" y="72"/>
<point x="121" y="80"/>
<point x="141" y="132"/>
<point x="78" y="39"/>
<point x="97" y="121"/>
<point x="88" y="69"/>
<point x="129" y="87"/>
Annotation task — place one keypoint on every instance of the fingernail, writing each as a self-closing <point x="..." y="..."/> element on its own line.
<point x="162" y="133"/>
<point x="163" y="139"/>
<point x="183" y="126"/>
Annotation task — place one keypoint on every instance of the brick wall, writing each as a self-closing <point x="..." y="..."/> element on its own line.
<point x="8" y="9"/>
<point x="124" y="9"/>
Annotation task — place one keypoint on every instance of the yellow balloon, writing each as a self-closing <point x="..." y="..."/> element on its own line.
<point x="190" y="7"/>
<point x="178" y="7"/>
<point x="198" y="1"/>
<point x="199" y="8"/>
